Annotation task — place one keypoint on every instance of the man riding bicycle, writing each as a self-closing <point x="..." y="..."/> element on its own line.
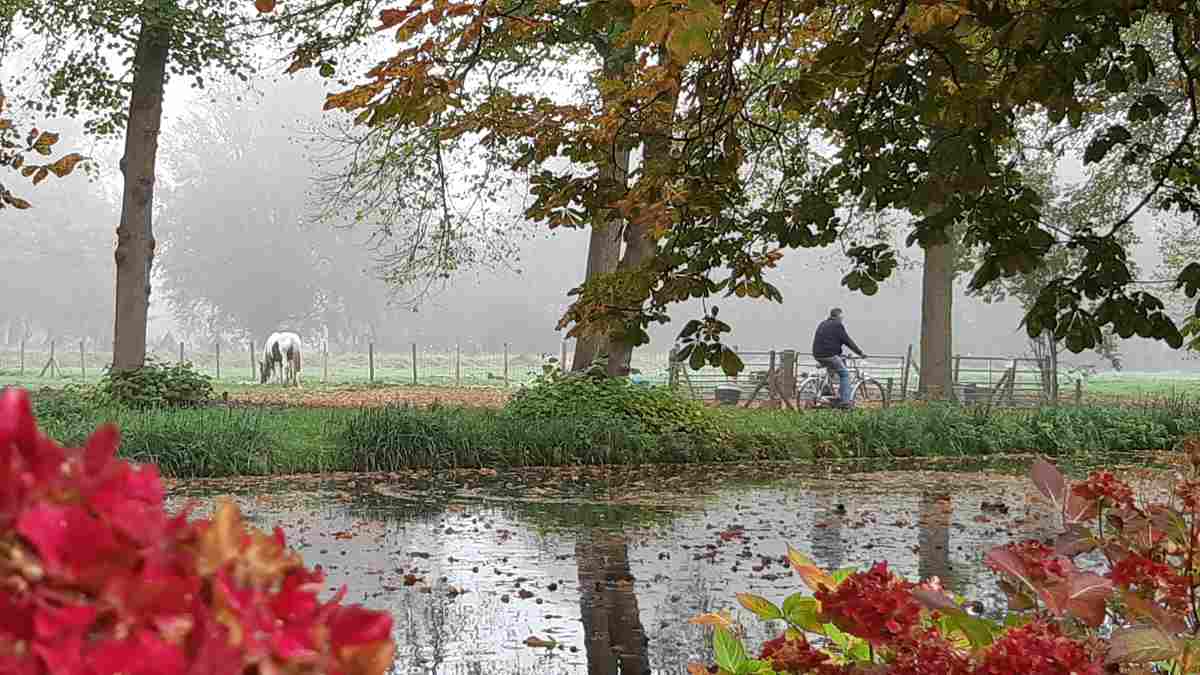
<point x="827" y="350"/>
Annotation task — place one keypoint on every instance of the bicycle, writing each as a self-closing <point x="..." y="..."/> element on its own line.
<point x="816" y="391"/>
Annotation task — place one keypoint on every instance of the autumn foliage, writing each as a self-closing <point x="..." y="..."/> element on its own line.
<point x="1114" y="591"/>
<point x="97" y="578"/>
<point x="15" y="153"/>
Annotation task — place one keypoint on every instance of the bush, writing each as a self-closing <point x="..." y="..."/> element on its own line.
<point x="157" y="385"/>
<point x="96" y="577"/>
<point x="593" y="395"/>
<point x="1138" y="608"/>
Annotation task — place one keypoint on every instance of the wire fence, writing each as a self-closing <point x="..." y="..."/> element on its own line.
<point x="429" y="365"/>
<point x="999" y="380"/>
<point x="976" y="379"/>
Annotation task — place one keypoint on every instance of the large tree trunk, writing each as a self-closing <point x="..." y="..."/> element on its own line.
<point x="937" y="324"/>
<point x="135" y="235"/>
<point x="640" y="246"/>
<point x="604" y="246"/>
<point x="639" y="250"/>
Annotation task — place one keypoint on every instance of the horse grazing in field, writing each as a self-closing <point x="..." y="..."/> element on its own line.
<point x="282" y="349"/>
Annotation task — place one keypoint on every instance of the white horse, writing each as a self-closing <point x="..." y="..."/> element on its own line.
<point x="282" y="349"/>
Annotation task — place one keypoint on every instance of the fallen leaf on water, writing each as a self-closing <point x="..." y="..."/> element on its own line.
<point x="534" y="641"/>
<point x="343" y="535"/>
<point x="711" y="619"/>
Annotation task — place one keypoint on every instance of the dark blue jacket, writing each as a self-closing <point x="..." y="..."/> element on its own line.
<point x="830" y="337"/>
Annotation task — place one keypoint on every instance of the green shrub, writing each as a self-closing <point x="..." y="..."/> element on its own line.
<point x="72" y="402"/>
<point x="157" y="385"/>
<point x="591" y="395"/>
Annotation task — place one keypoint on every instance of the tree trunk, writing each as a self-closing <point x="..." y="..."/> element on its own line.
<point x="135" y="235"/>
<point x="639" y="250"/>
<point x="937" y="324"/>
<point x="640" y="247"/>
<point x="604" y="246"/>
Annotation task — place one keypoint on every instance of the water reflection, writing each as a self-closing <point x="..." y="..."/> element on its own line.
<point x="606" y="578"/>
<point x="608" y="604"/>
<point x="828" y="512"/>
<point x="933" y="537"/>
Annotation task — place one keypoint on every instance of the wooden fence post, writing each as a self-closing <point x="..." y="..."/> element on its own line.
<point x="957" y="368"/>
<point x="181" y="352"/>
<point x="904" y="374"/>
<point x="414" y="362"/>
<point x="1078" y="391"/>
<point x="887" y="397"/>
<point x="325" y="361"/>
<point x="787" y="381"/>
<point x="51" y="364"/>
<point x="457" y="365"/>
<point x="506" y="383"/>
<point x="562" y="357"/>
<point x="82" y="363"/>
<point x="771" y="376"/>
<point x="22" y="357"/>
<point x="371" y="362"/>
<point x="218" y="350"/>
<point x="1012" y="381"/>
<point x="252" y="371"/>
<point x="673" y="368"/>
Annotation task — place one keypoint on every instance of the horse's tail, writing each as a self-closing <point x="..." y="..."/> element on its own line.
<point x="298" y="368"/>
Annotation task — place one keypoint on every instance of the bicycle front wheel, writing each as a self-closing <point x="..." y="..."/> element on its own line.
<point x="869" y="393"/>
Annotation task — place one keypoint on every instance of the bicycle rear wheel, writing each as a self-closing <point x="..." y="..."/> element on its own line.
<point x="868" y="393"/>
<point x="808" y="393"/>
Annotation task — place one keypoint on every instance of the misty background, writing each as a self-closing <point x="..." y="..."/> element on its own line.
<point x="239" y="256"/>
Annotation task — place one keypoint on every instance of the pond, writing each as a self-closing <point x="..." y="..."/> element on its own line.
<point x="608" y="565"/>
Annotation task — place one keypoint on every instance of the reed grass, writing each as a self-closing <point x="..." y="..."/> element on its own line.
<point x="229" y="441"/>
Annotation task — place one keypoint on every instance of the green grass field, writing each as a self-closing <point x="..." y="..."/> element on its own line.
<point x="488" y="369"/>
<point x="433" y="368"/>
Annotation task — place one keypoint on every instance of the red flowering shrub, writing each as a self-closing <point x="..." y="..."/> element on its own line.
<point x="875" y="605"/>
<point x="1103" y="486"/>
<point x="1156" y="580"/>
<point x="1141" y="608"/>
<point x="1038" y="649"/>
<point x="930" y="654"/>
<point x="97" y="579"/>
<point x="793" y="654"/>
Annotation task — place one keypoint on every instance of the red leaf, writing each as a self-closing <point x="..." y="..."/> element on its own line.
<point x="1079" y="510"/>
<point x="1141" y="645"/>
<point x="1050" y="481"/>
<point x="67" y="538"/>
<point x="356" y="625"/>
<point x="1009" y="563"/>
<point x="1075" y="541"/>
<point x="1087" y="597"/>
<point x="17" y="425"/>
<point x="938" y="600"/>
<point x="1141" y="607"/>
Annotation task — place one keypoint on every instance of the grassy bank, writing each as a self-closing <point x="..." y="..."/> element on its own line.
<point x="220" y="441"/>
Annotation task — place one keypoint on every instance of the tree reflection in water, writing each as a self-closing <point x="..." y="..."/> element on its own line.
<point x="613" y="633"/>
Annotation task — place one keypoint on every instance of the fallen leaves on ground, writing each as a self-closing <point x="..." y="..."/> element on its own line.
<point x="373" y="396"/>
